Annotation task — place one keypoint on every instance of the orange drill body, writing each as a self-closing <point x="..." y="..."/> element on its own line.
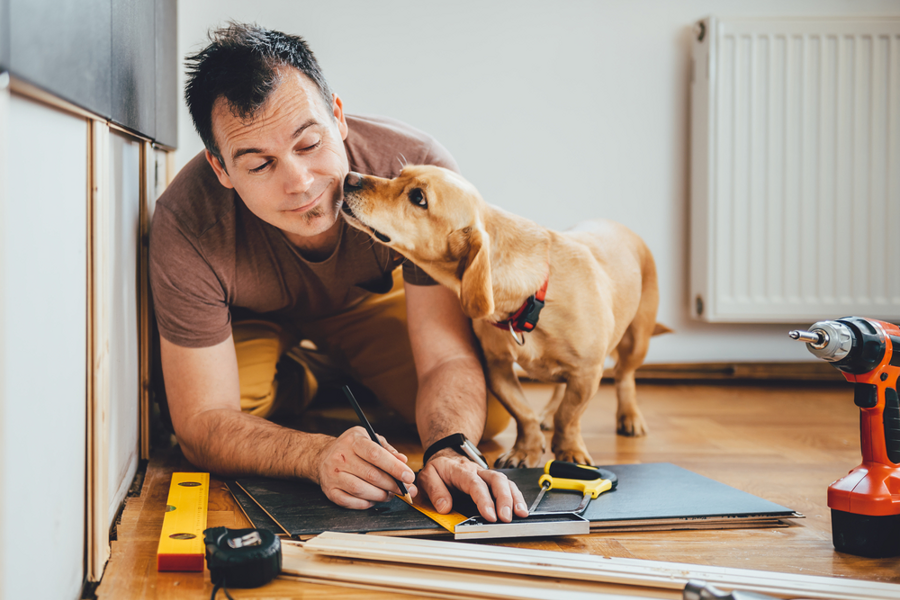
<point x="866" y="502"/>
<point x="873" y="488"/>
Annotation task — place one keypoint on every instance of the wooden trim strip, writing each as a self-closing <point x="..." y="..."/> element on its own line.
<point x="38" y="94"/>
<point x="441" y="582"/>
<point x="89" y="491"/>
<point x="33" y="92"/>
<point x="127" y="131"/>
<point x="591" y="568"/>
<point x="170" y="168"/>
<point x="100" y="302"/>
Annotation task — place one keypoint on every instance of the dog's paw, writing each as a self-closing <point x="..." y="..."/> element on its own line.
<point x="515" y="460"/>
<point x="575" y="455"/>
<point x="520" y="458"/>
<point x="631" y="424"/>
<point x="547" y="422"/>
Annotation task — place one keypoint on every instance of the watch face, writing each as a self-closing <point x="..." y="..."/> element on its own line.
<point x="474" y="454"/>
<point x="460" y="444"/>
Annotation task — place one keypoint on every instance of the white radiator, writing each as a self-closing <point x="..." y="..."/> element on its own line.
<point x="795" y="169"/>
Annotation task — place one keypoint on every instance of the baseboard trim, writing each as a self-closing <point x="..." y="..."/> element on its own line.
<point x="783" y="372"/>
<point x="739" y="371"/>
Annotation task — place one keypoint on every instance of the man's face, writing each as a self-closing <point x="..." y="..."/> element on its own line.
<point x="288" y="164"/>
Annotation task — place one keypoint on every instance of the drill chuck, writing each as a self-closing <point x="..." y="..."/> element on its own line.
<point x="828" y="340"/>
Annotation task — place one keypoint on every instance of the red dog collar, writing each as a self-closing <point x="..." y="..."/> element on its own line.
<point x="525" y="319"/>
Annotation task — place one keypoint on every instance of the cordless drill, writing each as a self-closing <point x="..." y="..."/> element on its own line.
<point x="865" y="504"/>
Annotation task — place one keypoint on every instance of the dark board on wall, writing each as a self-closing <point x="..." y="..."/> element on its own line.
<point x="63" y="47"/>
<point x="115" y="58"/>
<point x="167" y="96"/>
<point x="134" y="65"/>
<point x="4" y="33"/>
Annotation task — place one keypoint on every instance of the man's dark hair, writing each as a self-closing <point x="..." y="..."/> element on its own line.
<point x="242" y="64"/>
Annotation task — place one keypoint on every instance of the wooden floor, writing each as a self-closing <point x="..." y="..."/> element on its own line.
<point x="785" y="444"/>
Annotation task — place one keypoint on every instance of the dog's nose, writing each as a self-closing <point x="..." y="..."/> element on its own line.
<point x="353" y="181"/>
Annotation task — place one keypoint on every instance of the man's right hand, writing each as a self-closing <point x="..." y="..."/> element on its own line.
<point x="204" y="401"/>
<point x="355" y="472"/>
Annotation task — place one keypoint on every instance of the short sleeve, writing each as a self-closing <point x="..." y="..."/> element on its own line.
<point x="189" y="300"/>
<point x="415" y="275"/>
<point x="439" y="156"/>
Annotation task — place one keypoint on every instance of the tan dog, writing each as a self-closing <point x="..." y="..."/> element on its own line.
<point x="601" y="296"/>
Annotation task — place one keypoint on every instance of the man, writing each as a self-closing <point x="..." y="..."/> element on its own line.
<point x="249" y="254"/>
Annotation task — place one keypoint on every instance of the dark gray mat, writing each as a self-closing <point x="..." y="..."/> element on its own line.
<point x="253" y="511"/>
<point x="656" y="493"/>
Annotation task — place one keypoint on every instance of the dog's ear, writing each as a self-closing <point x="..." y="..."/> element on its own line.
<point x="475" y="291"/>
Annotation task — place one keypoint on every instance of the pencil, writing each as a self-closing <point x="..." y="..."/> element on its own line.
<point x="368" y="426"/>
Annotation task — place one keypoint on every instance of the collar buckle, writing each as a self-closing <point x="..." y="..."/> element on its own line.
<point x="528" y="318"/>
<point x="525" y="319"/>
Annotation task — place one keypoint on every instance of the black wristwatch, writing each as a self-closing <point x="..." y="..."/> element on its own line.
<point x="461" y="444"/>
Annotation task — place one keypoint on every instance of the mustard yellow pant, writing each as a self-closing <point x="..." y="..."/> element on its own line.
<point x="368" y="343"/>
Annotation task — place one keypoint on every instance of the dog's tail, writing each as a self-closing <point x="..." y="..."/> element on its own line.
<point x="660" y="329"/>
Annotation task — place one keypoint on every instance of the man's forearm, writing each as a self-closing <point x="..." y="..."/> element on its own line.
<point x="231" y="443"/>
<point x="452" y="399"/>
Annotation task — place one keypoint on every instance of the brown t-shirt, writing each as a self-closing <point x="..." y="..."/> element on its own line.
<point x="211" y="257"/>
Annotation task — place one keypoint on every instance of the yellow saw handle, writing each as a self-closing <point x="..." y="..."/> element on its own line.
<point x="595" y="487"/>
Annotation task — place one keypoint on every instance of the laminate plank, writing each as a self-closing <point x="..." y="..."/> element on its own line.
<point x="649" y="496"/>
<point x="572" y="567"/>
<point x="463" y="583"/>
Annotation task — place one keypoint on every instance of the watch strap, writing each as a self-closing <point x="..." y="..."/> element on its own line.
<point x="455" y="441"/>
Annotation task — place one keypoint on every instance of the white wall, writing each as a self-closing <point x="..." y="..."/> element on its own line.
<point x="557" y="111"/>
<point x="43" y="360"/>
<point x="4" y="368"/>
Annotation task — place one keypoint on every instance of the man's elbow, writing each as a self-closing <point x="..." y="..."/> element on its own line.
<point x="196" y="438"/>
<point x="198" y="459"/>
<point x="194" y="452"/>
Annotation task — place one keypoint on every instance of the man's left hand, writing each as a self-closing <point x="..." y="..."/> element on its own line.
<point x="493" y="493"/>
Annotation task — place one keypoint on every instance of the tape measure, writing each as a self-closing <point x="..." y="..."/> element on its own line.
<point x="181" y="542"/>
<point x="242" y="558"/>
<point x="448" y="521"/>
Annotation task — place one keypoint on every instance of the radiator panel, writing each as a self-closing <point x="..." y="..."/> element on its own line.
<point x="795" y="195"/>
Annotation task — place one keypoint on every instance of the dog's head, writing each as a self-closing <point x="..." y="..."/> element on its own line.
<point x="433" y="217"/>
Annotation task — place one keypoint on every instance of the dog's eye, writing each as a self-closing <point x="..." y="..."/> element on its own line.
<point x="417" y="197"/>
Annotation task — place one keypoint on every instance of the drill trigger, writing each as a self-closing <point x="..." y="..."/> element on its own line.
<point x="865" y="395"/>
